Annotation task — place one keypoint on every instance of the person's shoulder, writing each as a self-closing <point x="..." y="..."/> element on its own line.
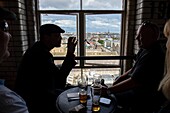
<point x="159" y="48"/>
<point x="5" y="90"/>
<point x="32" y="49"/>
<point x="35" y="45"/>
<point x="11" y="102"/>
<point x="8" y="96"/>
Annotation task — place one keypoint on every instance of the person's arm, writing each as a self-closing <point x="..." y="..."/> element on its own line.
<point x="122" y="77"/>
<point x="124" y="85"/>
<point x="69" y="62"/>
<point x="70" y="57"/>
<point x="120" y="81"/>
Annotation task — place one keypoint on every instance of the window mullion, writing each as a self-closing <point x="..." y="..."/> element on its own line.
<point x="81" y="36"/>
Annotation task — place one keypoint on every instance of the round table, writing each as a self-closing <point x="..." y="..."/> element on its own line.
<point x="63" y="104"/>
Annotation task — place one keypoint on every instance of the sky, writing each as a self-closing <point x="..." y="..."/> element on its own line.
<point x="94" y="23"/>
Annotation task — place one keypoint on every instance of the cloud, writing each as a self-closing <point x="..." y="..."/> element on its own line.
<point x="59" y="19"/>
<point x="58" y="4"/>
<point x="103" y="22"/>
<point x="96" y="22"/>
<point x="102" y="4"/>
<point x="75" y="4"/>
<point x="67" y="23"/>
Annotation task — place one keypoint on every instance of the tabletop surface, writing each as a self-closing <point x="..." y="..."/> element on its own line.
<point x="63" y="104"/>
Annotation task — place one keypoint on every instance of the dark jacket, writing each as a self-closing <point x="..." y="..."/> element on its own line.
<point x="38" y="78"/>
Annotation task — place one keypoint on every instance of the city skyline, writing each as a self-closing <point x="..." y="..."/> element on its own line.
<point x="97" y="26"/>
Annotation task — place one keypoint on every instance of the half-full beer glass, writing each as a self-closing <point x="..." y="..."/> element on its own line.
<point x="95" y="103"/>
<point x="83" y="96"/>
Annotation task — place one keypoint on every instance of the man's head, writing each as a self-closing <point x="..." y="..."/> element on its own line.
<point x="147" y="34"/>
<point x="6" y="14"/>
<point x="50" y="34"/>
<point x="4" y="34"/>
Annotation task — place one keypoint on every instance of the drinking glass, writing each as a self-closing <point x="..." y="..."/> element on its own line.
<point x="96" y="85"/>
<point x="82" y="81"/>
<point x="95" y="103"/>
<point x="83" y="96"/>
<point x="97" y="80"/>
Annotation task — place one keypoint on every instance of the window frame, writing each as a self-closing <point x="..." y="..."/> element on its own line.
<point x="81" y="22"/>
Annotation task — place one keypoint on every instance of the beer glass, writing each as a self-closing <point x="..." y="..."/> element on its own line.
<point x="83" y="96"/>
<point x="96" y="84"/>
<point x="95" y="103"/>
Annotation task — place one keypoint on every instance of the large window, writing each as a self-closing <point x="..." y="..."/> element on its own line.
<point x="98" y="26"/>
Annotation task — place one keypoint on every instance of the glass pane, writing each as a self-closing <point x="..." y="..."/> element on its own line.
<point x="75" y="4"/>
<point x="103" y="37"/>
<point x="108" y="74"/>
<point x="66" y="22"/>
<point x="102" y="4"/>
<point x="59" y="4"/>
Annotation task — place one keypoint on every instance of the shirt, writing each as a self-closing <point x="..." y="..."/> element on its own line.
<point x="148" y="69"/>
<point x="10" y="102"/>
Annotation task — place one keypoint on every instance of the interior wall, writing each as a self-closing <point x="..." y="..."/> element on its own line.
<point x="129" y="32"/>
<point x="156" y="11"/>
<point x="23" y="33"/>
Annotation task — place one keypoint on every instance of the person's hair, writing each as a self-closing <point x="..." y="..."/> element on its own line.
<point x="153" y="27"/>
<point x="5" y="14"/>
<point x="167" y="28"/>
<point x="165" y="82"/>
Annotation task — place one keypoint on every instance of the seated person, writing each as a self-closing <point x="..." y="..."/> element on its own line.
<point x="137" y="88"/>
<point x="10" y="102"/>
<point x="165" y="83"/>
<point x="38" y="77"/>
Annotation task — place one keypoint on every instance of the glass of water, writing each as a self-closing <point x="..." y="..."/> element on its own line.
<point x="82" y="81"/>
<point x="97" y="80"/>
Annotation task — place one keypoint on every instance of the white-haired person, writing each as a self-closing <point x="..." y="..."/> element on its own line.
<point x="165" y="83"/>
